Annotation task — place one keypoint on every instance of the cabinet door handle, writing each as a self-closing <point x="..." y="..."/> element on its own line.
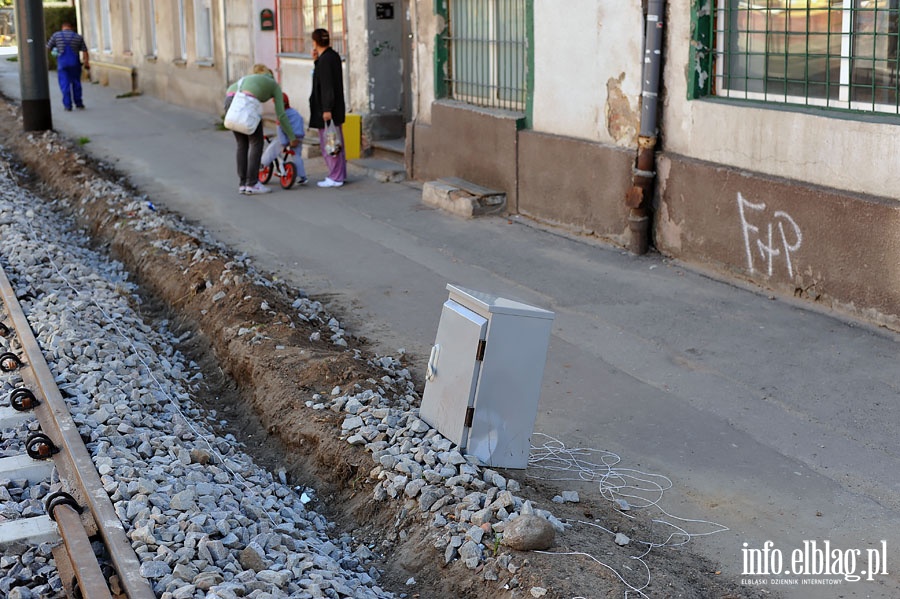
<point x="431" y="369"/>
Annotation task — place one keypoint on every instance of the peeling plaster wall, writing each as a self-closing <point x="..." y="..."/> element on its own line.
<point x="622" y="123"/>
<point x="356" y="62"/>
<point x="824" y="150"/>
<point x="830" y="247"/>
<point x="425" y="26"/>
<point x="587" y="72"/>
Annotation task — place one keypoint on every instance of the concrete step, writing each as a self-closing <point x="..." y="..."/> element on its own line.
<point x="309" y="147"/>
<point x="380" y="169"/>
<point x="389" y="149"/>
<point x="463" y="198"/>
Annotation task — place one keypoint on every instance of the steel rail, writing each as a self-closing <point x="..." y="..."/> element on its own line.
<point x="73" y="460"/>
<point x="91" y="582"/>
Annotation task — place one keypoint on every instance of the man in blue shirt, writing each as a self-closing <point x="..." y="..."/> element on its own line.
<point x="67" y="44"/>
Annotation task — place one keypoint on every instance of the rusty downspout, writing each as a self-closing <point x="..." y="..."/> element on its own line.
<point x="639" y="198"/>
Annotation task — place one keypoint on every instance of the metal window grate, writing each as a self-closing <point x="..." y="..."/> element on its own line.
<point x="299" y="18"/>
<point x="839" y="54"/>
<point x="486" y="53"/>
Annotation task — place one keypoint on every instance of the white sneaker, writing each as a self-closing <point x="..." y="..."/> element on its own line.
<point x="329" y="182"/>
<point x="242" y="190"/>
<point x="257" y="189"/>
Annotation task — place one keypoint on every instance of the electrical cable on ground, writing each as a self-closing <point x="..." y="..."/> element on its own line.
<point x="627" y="488"/>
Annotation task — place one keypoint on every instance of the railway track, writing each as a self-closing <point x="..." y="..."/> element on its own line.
<point x="80" y="512"/>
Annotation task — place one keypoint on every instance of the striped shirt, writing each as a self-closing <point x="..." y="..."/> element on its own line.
<point x="66" y="38"/>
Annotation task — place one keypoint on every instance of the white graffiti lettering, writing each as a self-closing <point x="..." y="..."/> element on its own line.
<point x="769" y="246"/>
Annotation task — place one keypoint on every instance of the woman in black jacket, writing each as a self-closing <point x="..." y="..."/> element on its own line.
<point x="326" y="103"/>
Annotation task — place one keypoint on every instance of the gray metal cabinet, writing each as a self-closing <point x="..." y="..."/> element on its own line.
<point x="483" y="380"/>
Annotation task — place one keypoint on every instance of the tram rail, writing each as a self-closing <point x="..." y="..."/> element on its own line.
<point x="84" y="509"/>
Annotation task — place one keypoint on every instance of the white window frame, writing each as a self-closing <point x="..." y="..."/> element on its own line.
<point x="150" y="29"/>
<point x="93" y="31"/>
<point x="106" y="28"/>
<point x="127" y="34"/>
<point x="181" y="32"/>
<point x="203" y="30"/>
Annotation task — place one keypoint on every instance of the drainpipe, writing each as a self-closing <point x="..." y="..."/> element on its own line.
<point x="640" y="196"/>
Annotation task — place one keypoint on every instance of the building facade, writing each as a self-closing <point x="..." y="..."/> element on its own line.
<point x="781" y="136"/>
<point x="769" y="161"/>
<point x="188" y="51"/>
<point x="753" y="139"/>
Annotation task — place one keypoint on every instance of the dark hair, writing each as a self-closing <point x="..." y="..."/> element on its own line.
<point x="321" y="37"/>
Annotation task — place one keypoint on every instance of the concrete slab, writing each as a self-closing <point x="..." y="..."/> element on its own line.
<point x="459" y="201"/>
<point x="32" y="531"/>
<point x="24" y="467"/>
<point x="10" y="418"/>
<point x="380" y="169"/>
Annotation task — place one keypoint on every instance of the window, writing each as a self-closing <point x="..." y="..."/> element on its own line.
<point x="181" y="33"/>
<point x="93" y="29"/>
<point x="203" y="29"/>
<point x="486" y="51"/>
<point x="150" y="7"/>
<point x="107" y="26"/>
<point x="839" y="54"/>
<point x="298" y="18"/>
<point x="126" y="27"/>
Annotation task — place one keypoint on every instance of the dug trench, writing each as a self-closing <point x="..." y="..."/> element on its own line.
<point x="261" y="368"/>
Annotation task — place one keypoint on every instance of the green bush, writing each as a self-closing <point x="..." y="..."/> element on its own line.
<point x="54" y="17"/>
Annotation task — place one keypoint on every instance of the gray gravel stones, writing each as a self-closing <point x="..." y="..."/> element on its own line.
<point x="202" y="518"/>
<point x="454" y="493"/>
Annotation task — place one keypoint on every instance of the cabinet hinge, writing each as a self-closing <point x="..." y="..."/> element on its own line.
<point x="470" y="415"/>
<point x="479" y="353"/>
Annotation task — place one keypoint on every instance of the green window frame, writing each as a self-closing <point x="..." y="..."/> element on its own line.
<point x="484" y="55"/>
<point x="830" y="54"/>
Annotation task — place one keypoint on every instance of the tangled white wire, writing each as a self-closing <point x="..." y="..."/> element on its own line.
<point x="626" y="487"/>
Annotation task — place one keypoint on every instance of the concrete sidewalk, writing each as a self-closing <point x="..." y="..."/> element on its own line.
<point x="770" y="418"/>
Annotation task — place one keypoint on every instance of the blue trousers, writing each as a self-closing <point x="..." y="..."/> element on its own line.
<point x="70" y="85"/>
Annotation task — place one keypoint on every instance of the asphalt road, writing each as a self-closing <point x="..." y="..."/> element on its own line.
<point x="771" y="417"/>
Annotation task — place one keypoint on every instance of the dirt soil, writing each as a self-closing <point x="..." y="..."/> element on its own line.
<point x="261" y="388"/>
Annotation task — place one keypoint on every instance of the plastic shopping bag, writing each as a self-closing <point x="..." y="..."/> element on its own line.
<point x="332" y="141"/>
<point x="244" y="113"/>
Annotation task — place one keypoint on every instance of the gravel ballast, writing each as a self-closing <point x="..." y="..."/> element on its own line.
<point x="203" y="519"/>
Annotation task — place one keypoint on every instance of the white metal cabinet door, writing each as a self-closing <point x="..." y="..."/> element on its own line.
<point x="452" y="372"/>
